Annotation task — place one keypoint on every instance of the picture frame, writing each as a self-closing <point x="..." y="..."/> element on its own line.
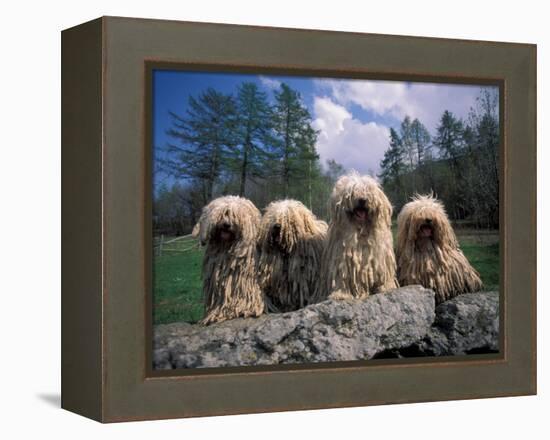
<point x="106" y="219"/>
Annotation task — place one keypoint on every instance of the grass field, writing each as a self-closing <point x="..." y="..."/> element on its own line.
<point x="177" y="281"/>
<point x="177" y="284"/>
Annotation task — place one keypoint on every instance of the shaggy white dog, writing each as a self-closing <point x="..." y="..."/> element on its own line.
<point x="291" y="243"/>
<point x="428" y="252"/>
<point x="358" y="259"/>
<point x="228" y="228"/>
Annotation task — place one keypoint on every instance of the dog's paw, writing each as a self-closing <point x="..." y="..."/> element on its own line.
<point x="340" y="295"/>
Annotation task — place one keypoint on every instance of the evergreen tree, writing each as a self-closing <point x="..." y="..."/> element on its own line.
<point x="334" y="171"/>
<point x="392" y="168"/>
<point x="252" y="133"/>
<point x="415" y="143"/>
<point x="407" y="143"/>
<point x="206" y="137"/>
<point x="449" y="139"/>
<point x="392" y="165"/>
<point x="294" y="142"/>
<point x="422" y="147"/>
<point x="307" y="154"/>
<point x="460" y="164"/>
<point x="450" y="142"/>
<point x="420" y="141"/>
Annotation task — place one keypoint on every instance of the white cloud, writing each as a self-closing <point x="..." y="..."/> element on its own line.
<point x="360" y="145"/>
<point x="382" y="97"/>
<point x="354" y="144"/>
<point x="425" y="101"/>
<point x="270" y="83"/>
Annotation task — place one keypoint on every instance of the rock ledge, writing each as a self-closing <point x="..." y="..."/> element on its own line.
<point x="401" y="323"/>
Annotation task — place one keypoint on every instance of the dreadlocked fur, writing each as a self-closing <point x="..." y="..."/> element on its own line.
<point x="428" y="252"/>
<point x="291" y="243"/>
<point x="358" y="259"/>
<point x="228" y="228"/>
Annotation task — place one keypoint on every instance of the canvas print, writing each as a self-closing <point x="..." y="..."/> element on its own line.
<point x="300" y="220"/>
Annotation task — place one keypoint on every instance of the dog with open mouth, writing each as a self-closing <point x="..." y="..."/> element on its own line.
<point x="358" y="259"/>
<point x="290" y="240"/>
<point x="228" y="227"/>
<point x="428" y="252"/>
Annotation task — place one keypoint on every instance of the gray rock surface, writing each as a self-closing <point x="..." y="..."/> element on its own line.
<point x="466" y="324"/>
<point x="329" y="331"/>
<point x="401" y="323"/>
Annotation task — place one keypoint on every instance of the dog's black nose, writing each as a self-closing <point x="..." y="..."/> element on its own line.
<point x="226" y="225"/>
<point x="276" y="226"/>
<point x="362" y="202"/>
<point x="428" y="220"/>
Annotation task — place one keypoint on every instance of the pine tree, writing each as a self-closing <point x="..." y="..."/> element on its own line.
<point x="420" y="141"/>
<point x="392" y="165"/>
<point x="392" y="170"/>
<point x="294" y="142"/>
<point x="407" y="143"/>
<point x="422" y="148"/>
<point x="449" y="139"/>
<point x="308" y="155"/>
<point x="334" y="171"/>
<point x="252" y="133"/>
<point x="206" y="137"/>
<point x="450" y="142"/>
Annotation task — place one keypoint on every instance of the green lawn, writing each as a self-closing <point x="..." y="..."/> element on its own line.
<point x="482" y="251"/>
<point x="177" y="282"/>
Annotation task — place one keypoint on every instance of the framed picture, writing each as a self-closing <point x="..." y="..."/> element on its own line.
<point x="263" y="219"/>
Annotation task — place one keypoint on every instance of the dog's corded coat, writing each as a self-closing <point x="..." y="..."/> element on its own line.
<point x="291" y="242"/>
<point x="428" y="252"/>
<point x="228" y="228"/>
<point x="358" y="259"/>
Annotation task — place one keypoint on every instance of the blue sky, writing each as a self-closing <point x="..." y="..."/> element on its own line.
<point x="353" y="116"/>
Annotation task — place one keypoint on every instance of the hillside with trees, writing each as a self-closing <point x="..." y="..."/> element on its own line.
<point x="459" y="164"/>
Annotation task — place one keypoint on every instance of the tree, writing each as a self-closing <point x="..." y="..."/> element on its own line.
<point x="450" y="142"/>
<point x="407" y="143"/>
<point x="392" y="165"/>
<point x="482" y="137"/>
<point x="176" y="209"/>
<point x="294" y="142"/>
<point x="415" y="144"/>
<point x="206" y="137"/>
<point x="460" y="164"/>
<point x="252" y="133"/>
<point x="449" y="138"/>
<point x="422" y="147"/>
<point x="420" y="141"/>
<point x="333" y="171"/>
<point x="392" y="168"/>
<point x="308" y="154"/>
<point x="485" y="118"/>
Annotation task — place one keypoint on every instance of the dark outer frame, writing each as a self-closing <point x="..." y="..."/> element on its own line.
<point x="106" y="188"/>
